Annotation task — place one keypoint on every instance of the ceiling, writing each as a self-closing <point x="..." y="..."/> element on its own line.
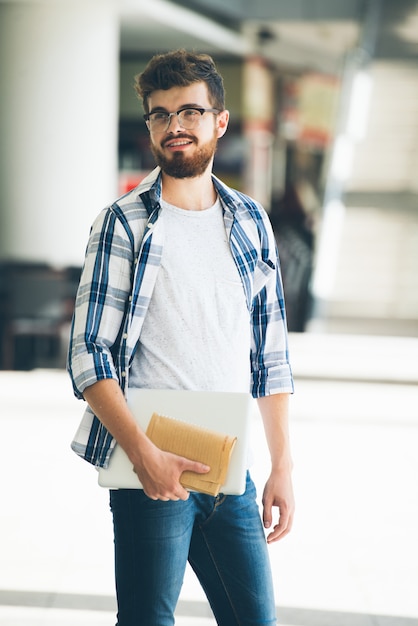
<point x="328" y="25"/>
<point x="306" y="35"/>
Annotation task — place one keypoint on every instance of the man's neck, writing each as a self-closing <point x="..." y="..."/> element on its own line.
<point x="191" y="194"/>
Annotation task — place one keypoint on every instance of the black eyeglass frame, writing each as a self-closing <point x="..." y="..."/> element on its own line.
<point x="201" y="110"/>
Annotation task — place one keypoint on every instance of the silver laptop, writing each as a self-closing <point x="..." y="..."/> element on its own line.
<point x="225" y="412"/>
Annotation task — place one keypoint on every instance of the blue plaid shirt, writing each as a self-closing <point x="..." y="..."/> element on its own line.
<point x="121" y="265"/>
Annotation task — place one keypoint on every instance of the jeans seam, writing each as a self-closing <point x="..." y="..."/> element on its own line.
<point x="219" y="574"/>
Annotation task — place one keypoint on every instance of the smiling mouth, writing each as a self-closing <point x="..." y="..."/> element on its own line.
<point x="177" y="143"/>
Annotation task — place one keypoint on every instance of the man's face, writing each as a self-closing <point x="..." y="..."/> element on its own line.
<point x="183" y="153"/>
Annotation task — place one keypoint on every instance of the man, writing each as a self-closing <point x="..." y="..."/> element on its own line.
<point x="181" y="289"/>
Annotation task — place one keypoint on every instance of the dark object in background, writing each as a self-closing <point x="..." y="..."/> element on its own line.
<point x="36" y="306"/>
<point x="295" y="239"/>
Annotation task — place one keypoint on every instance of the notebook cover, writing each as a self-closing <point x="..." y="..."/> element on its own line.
<point x="195" y="443"/>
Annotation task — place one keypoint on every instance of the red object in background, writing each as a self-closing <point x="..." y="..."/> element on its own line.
<point x="129" y="180"/>
<point x="309" y="109"/>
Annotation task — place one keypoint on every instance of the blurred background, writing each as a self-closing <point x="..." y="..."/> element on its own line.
<point x="323" y="97"/>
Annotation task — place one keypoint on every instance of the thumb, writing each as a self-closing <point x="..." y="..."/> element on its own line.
<point x="195" y="466"/>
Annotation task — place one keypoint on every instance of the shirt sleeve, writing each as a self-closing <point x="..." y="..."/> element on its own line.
<point x="101" y="301"/>
<point x="270" y="366"/>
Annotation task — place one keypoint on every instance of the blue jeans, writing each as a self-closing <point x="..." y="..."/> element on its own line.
<point x="223" y="540"/>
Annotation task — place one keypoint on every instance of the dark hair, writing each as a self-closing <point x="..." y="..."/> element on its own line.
<point x="180" y="68"/>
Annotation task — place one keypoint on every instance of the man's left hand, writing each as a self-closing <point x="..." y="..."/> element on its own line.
<point x="278" y="492"/>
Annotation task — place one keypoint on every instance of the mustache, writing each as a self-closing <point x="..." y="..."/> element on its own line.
<point x="177" y="136"/>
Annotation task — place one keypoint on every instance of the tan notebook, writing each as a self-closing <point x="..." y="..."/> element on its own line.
<point x="195" y="443"/>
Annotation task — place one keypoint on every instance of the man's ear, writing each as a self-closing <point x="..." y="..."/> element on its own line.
<point x="222" y="120"/>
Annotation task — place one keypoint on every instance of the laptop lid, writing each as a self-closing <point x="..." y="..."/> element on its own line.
<point x="225" y="412"/>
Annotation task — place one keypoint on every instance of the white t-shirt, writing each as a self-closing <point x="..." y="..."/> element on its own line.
<point x="196" y="334"/>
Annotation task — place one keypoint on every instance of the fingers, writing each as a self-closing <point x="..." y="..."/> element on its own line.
<point x="174" y="498"/>
<point x="281" y="529"/>
<point x="168" y="486"/>
<point x="166" y="495"/>
<point x="284" y="525"/>
<point x="195" y="466"/>
<point x="267" y="516"/>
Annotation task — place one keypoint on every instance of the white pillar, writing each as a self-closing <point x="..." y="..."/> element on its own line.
<point x="58" y="125"/>
<point x="258" y="94"/>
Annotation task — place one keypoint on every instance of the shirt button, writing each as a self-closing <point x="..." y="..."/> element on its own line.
<point x="130" y="298"/>
<point x="125" y="335"/>
<point x="123" y="374"/>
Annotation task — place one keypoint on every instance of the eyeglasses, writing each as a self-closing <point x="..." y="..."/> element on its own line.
<point x="188" y="118"/>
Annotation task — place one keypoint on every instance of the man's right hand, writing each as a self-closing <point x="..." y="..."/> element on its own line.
<point x="159" y="473"/>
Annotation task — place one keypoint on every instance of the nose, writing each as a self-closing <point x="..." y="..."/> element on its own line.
<point x="174" y="118"/>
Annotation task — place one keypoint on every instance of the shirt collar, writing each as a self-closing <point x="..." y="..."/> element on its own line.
<point x="150" y="190"/>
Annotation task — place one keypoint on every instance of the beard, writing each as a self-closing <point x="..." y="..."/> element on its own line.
<point x="178" y="165"/>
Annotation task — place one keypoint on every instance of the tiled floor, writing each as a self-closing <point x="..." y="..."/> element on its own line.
<point x="17" y="616"/>
<point x="351" y="559"/>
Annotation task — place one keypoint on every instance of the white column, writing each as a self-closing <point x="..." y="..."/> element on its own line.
<point x="59" y="64"/>
<point x="258" y="95"/>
